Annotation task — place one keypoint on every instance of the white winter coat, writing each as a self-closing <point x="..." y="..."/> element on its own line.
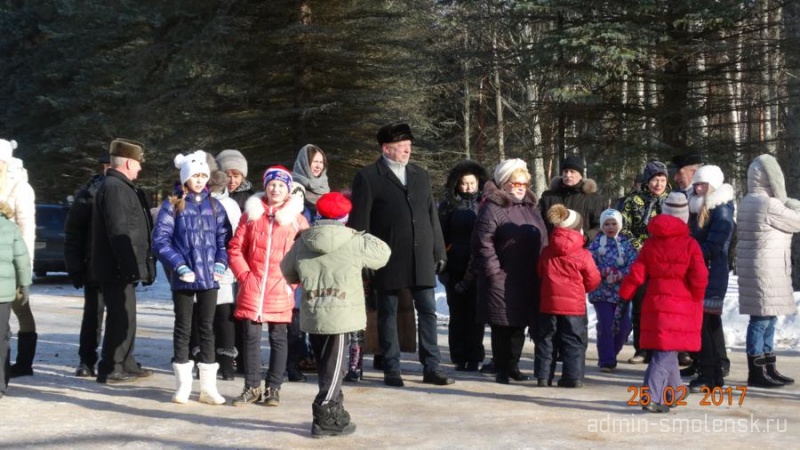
<point x="19" y="195"/>
<point x="766" y="221"/>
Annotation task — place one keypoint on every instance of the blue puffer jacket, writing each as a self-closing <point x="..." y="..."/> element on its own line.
<point x="195" y="237"/>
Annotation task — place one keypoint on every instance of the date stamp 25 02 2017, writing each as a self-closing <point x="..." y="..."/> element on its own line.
<point x="716" y="396"/>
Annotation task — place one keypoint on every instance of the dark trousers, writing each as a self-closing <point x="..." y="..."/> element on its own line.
<point x="278" y="350"/>
<point x="91" y="324"/>
<point x="572" y="345"/>
<point x="184" y="303"/>
<point x="120" y="329"/>
<point x="425" y="304"/>
<point x="712" y="350"/>
<point x="636" y="315"/>
<point x="5" y="338"/>
<point x="507" y="343"/>
<point x="330" y="350"/>
<point x="465" y="333"/>
<point x="297" y="341"/>
<point x="224" y="331"/>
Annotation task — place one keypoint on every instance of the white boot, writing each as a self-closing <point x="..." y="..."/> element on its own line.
<point x="208" y="384"/>
<point x="183" y="381"/>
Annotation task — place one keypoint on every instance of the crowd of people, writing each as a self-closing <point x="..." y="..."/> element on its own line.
<point x="295" y="256"/>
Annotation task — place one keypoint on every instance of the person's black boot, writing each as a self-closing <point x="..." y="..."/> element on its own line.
<point x="226" y="369"/>
<point x="691" y="370"/>
<point x="26" y="350"/>
<point x="757" y="375"/>
<point x="772" y="371"/>
<point x="330" y="420"/>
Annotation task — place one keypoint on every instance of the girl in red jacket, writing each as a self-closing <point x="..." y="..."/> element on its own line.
<point x="567" y="273"/>
<point x="672" y="310"/>
<point x="266" y="231"/>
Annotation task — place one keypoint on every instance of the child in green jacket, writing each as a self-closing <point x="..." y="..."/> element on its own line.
<point x="328" y="259"/>
<point x="15" y="273"/>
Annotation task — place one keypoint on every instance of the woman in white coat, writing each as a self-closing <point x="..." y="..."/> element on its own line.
<point x="766" y="220"/>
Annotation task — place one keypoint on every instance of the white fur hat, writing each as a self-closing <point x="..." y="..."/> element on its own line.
<point x="504" y="170"/>
<point x="6" y="149"/>
<point x="192" y="164"/>
<point x="611" y="214"/>
<point x="709" y="174"/>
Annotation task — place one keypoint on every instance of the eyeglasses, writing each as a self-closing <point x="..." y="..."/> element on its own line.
<point x="517" y="185"/>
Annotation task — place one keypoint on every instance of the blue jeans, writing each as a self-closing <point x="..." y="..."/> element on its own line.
<point x="760" y="335"/>
<point x="425" y="304"/>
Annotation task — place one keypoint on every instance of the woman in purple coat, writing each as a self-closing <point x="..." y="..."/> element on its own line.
<point x="509" y="235"/>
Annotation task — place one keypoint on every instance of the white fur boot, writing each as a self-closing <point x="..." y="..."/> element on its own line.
<point x="183" y="381"/>
<point x="208" y="384"/>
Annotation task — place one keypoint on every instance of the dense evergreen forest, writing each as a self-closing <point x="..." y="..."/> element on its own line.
<point x="616" y="82"/>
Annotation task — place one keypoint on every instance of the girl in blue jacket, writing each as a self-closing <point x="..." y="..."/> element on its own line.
<point x="189" y="239"/>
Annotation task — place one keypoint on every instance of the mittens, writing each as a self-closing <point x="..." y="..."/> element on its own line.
<point x="185" y="274"/>
<point x="219" y="271"/>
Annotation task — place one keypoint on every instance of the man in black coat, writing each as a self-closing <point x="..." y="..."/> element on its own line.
<point x="392" y="199"/>
<point x="577" y="193"/>
<point x="121" y="258"/>
<point x="77" y="252"/>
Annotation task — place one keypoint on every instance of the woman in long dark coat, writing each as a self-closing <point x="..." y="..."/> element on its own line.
<point x="509" y="235"/>
<point x="457" y="214"/>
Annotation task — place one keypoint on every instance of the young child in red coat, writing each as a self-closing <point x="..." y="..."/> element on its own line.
<point x="567" y="273"/>
<point x="671" y="263"/>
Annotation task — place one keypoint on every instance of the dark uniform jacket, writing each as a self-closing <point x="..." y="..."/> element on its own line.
<point x="404" y="217"/>
<point x="582" y="198"/>
<point x="121" y="232"/>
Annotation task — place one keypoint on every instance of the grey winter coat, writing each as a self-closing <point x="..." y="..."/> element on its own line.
<point x="766" y="221"/>
<point x="327" y="259"/>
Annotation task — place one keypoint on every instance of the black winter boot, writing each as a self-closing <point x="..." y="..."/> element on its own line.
<point x="757" y="375"/>
<point x="355" y="371"/>
<point x="772" y="371"/>
<point x="226" y="368"/>
<point x="26" y="350"/>
<point x="330" y="420"/>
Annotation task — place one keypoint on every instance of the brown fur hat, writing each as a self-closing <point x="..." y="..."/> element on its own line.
<point x="126" y="148"/>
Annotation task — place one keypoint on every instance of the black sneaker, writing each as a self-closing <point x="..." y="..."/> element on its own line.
<point x="249" y="395"/>
<point x="568" y="383"/>
<point x="393" y="379"/>
<point x="489" y="368"/>
<point x="116" y="378"/>
<point x="85" y="371"/>
<point x="543" y="382"/>
<point x="438" y="378"/>
<point x="295" y="376"/>
<point x="517" y="375"/>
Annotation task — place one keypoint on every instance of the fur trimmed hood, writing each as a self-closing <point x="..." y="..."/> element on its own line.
<point x="586" y="185"/>
<point x="255" y="207"/>
<point x="465" y="167"/>
<point x="766" y="176"/>
<point x="720" y="196"/>
<point x="492" y="193"/>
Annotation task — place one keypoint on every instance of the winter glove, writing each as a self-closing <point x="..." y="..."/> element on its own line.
<point x="219" y="271"/>
<point x="461" y="287"/>
<point x="185" y="274"/>
<point x="77" y="279"/>
<point x="619" y="313"/>
<point x="613" y="276"/>
<point x="24" y="295"/>
<point x="440" y="265"/>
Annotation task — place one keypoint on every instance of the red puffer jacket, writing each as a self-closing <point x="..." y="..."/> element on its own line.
<point x="672" y="264"/>
<point x="264" y="295"/>
<point x="568" y="272"/>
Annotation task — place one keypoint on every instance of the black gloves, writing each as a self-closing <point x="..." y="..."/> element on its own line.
<point x="440" y="265"/>
<point x="77" y="279"/>
<point x="24" y="294"/>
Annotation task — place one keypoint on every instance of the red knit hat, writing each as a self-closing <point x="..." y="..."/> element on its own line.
<point x="334" y="205"/>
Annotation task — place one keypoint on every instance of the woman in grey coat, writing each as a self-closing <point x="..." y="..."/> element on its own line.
<point x="766" y="221"/>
